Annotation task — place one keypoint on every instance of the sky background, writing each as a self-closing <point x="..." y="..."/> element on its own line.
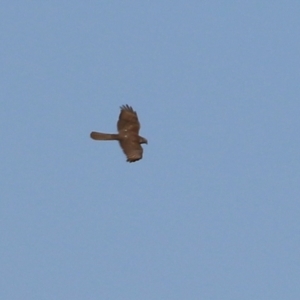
<point x="211" y="211"/>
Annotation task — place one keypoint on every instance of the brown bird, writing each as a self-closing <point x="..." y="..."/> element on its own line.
<point x="128" y="127"/>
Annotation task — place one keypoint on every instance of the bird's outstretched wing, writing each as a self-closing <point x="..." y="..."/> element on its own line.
<point x="132" y="148"/>
<point x="128" y="121"/>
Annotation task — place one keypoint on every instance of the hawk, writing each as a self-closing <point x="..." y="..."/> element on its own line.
<point x="128" y="134"/>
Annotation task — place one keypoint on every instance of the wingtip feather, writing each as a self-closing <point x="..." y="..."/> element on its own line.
<point x="126" y="107"/>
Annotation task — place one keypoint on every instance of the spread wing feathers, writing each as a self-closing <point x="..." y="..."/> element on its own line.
<point x="128" y="120"/>
<point x="104" y="136"/>
<point x="132" y="149"/>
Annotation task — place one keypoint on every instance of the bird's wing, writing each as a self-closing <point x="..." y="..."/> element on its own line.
<point x="132" y="148"/>
<point x="128" y="121"/>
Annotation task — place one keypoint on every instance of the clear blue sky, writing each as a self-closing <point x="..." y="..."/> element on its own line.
<point x="212" y="211"/>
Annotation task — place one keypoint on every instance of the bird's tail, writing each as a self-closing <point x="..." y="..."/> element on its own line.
<point x="104" y="136"/>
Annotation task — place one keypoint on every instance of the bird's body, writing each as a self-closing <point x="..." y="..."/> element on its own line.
<point x="128" y="134"/>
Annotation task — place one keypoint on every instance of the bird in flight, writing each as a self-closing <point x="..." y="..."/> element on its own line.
<point x="128" y="134"/>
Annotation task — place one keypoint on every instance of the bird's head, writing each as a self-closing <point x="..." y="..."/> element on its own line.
<point x="143" y="140"/>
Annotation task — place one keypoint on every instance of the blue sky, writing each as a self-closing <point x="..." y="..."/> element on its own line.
<point x="212" y="211"/>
